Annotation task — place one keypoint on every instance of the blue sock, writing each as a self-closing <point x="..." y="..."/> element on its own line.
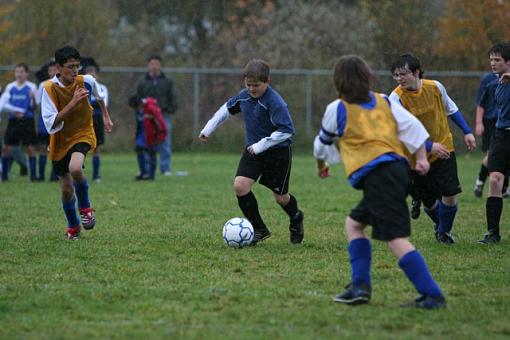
<point x="5" y="168"/>
<point x="415" y="268"/>
<point x="53" y="175"/>
<point x="32" y="163"/>
<point x="70" y="212"/>
<point x="446" y="217"/>
<point x="82" y="193"/>
<point x="433" y="214"/>
<point x="42" y="166"/>
<point x="96" y="162"/>
<point x="360" y="253"/>
<point x="140" y="157"/>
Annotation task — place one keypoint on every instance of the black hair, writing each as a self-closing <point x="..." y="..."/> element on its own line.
<point x="257" y="69"/>
<point x="503" y="49"/>
<point x="62" y="55"/>
<point x="25" y="66"/>
<point x="154" y="57"/>
<point x="42" y="73"/>
<point x="408" y="60"/>
<point x="88" y="62"/>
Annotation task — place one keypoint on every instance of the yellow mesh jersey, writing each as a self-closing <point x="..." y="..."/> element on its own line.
<point x="78" y="125"/>
<point x="427" y="105"/>
<point x="368" y="134"/>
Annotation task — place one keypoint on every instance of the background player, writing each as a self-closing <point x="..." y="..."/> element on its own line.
<point x="267" y="153"/>
<point x="430" y="103"/>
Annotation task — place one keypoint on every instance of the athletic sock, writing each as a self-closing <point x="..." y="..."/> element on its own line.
<point x="42" y="166"/>
<point x="32" y="163"/>
<point x="291" y="208"/>
<point x="415" y="268"/>
<point x="433" y="214"/>
<point x="484" y="172"/>
<point x="5" y="168"/>
<point x="446" y="217"/>
<point x="250" y="208"/>
<point x="82" y="193"/>
<point x="96" y="162"/>
<point x="360" y="254"/>
<point x="140" y="158"/>
<point x="70" y="212"/>
<point x="493" y="209"/>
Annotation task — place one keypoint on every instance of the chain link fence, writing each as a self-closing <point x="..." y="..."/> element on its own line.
<point x="201" y="91"/>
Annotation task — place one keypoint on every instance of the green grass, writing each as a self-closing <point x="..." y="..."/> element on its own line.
<point x="156" y="267"/>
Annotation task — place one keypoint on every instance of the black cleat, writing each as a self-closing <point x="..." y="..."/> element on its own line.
<point x="296" y="228"/>
<point x="443" y="237"/>
<point x="415" y="209"/>
<point x="355" y="294"/>
<point x="260" y="235"/>
<point x="490" y="237"/>
<point x="478" y="190"/>
<point x="142" y="178"/>
<point x="427" y="302"/>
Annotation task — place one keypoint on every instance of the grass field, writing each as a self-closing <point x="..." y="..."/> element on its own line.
<point x="155" y="265"/>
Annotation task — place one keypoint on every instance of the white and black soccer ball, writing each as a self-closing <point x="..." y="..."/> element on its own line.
<point x="237" y="232"/>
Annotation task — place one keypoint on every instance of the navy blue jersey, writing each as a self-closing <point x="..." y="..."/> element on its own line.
<point x="503" y="102"/>
<point x="262" y="116"/>
<point x="485" y="96"/>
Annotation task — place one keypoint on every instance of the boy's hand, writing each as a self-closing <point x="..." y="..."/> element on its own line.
<point x="505" y="78"/>
<point x="323" y="168"/>
<point x="108" y="124"/>
<point x="79" y="94"/>
<point x="19" y="114"/>
<point x="203" y="137"/>
<point x="440" y="151"/>
<point x="470" y="141"/>
<point x="250" y="150"/>
<point x="422" y="167"/>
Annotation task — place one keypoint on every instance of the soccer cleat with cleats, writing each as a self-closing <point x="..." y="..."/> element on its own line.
<point x="354" y="294"/>
<point x="296" y="228"/>
<point x="427" y="302"/>
<point x="415" y="209"/>
<point x="490" y="237"/>
<point x="444" y="237"/>
<point x="260" y="235"/>
<point x="88" y="218"/>
<point x="73" y="233"/>
<point x="478" y="189"/>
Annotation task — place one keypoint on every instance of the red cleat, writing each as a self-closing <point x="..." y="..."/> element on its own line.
<point x="88" y="218"/>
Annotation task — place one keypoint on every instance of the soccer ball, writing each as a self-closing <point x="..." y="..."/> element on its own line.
<point x="237" y="232"/>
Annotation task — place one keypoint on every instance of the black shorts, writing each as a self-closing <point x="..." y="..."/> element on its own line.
<point x="62" y="166"/>
<point x="20" y="130"/>
<point x="441" y="180"/>
<point x="99" y="128"/>
<point x="489" y="125"/>
<point x="499" y="151"/>
<point x="272" y="166"/>
<point x="384" y="204"/>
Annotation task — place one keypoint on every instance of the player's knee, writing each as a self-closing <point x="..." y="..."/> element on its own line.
<point x="241" y="188"/>
<point x="496" y="178"/>
<point x="75" y="171"/>
<point x="282" y="199"/>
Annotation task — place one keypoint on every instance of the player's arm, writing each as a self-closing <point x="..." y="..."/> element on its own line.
<point x="280" y="117"/>
<point x="456" y="116"/>
<point x="219" y="117"/>
<point x="100" y="96"/>
<point x="479" y="128"/>
<point x="324" y="150"/>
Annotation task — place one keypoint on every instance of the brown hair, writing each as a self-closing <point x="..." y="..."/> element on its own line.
<point x="25" y="66"/>
<point x="352" y="79"/>
<point x="257" y="69"/>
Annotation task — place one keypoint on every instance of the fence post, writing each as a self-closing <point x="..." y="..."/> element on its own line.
<point x="196" y="103"/>
<point x="309" y="106"/>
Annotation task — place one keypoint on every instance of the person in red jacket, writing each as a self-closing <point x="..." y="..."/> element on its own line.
<point x="154" y="129"/>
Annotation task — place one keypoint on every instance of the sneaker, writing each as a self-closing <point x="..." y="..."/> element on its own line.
<point x="505" y="193"/>
<point x="415" y="209"/>
<point x="427" y="302"/>
<point x="296" y="228"/>
<point x="260" y="235"/>
<point x="167" y="173"/>
<point x="443" y="237"/>
<point x="478" y="190"/>
<point x="142" y="177"/>
<point x="354" y="294"/>
<point x="73" y="233"/>
<point x="88" y="218"/>
<point x="490" y="237"/>
<point x="97" y="180"/>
